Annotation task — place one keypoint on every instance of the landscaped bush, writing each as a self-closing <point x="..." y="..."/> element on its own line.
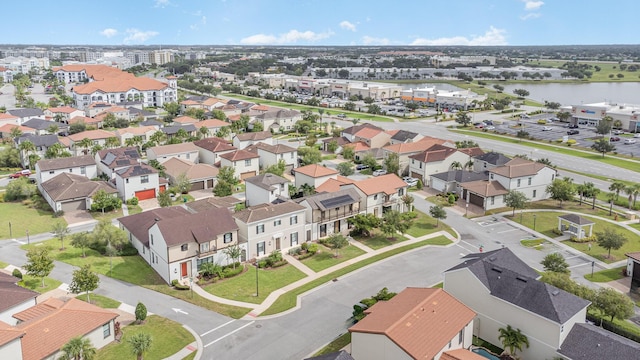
<point x="557" y="231"/>
<point x="312" y="248"/>
<point x="17" y="273"/>
<point x="132" y="201"/>
<point x="451" y="199"/>
<point x="571" y="142"/>
<point x="304" y="246"/>
<point x="179" y="286"/>
<point x="128" y="250"/>
<point x="230" y="272"/>
<point x="585" y="239"/>
<point x="295" y="251"/>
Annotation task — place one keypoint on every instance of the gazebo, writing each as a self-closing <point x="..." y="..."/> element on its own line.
<point x="575" y="225"/>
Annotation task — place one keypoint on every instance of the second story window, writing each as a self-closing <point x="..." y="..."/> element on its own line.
<point x="518" y="185"/>
<point x="184" y="247"/>
<point x="247" y="162"/>
<point x="204" y="247"/>
<point x="259" y="229"/>
<point x="293" y="220"/>
<point x="144" y="179"/>
<point x="277" y="222"/>
<point x="228" y="237"/>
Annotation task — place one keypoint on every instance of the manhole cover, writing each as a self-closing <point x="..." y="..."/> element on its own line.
<point x="258" y="326"/>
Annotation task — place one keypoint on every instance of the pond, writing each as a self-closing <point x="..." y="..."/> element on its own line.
<point x="573" y="94"/>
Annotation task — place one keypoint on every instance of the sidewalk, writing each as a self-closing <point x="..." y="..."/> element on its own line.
<point x="257" y="309"/>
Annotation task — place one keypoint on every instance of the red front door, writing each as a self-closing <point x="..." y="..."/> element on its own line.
<point x="183" y="271"/>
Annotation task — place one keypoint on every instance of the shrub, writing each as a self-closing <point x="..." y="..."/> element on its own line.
<point x="58" y="214"/>
<point x="557" y="231"/>
<point x="585" y="239"/>
<point x="419" y="184"/>
<point x="279" y="263"/>
<point x="451" y="199"/>
<point x="177" y="286"/>
<point x="262" y="264"/>
<point x="571" y="142"/>
<point x="141" y="312"/>
<point x="305" y="255"/>
<point x="132" y="201"/>
<point x="128" y="250"/>
<point x="17" y="273"/>
<point x="295" y="251"/>
<point x="304" y="246"/>
<point x="230" y="272"/>
<point x="312" y="248"/>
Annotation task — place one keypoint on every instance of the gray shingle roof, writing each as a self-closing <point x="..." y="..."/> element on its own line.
<point x="139" y="224"/>
<point x="39" y="140"/>
<point x="41" y="124"/>
<point x="321" y="201"/>
<point x="589" y="342"/>
<point x="119" y="157"/>
<point x="65" y="163"/>
<point x="198" y="227"/>
<point x="67" y="186"/>
<point x="266" y="181"/>
<point x="493" y="158"/>
<point x="170" y="130"/>
<point x="404" y="135"/>
<point x="136" y="170"/>
<point x="23" y="113"/>
<point x="267" y="211"/>
<point x="460" y="176"/>
<point x="576" y="219"/>
<point x="13" y="294"/>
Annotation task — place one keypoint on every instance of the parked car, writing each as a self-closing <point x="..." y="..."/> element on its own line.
<point x="553" y="119"/>
<point x="361" y="167"/>
<point x="342" y="116"/>
<point x="547" y="128"/>
<point x="636" y="135"/>
<point x="488" y="122"/>
<point x="479" y="125"/>
<point x="572" y="126"/>
<point x="629" y="141"/>
<point x="20" y="174"/>
<point x="573" y="132"/>
<point x="614" y="138"/>
<point x="618" y="132"/>
<point x="379" y="172"/>
<point x="490" y="127"/>
<point x="410" y="181"/>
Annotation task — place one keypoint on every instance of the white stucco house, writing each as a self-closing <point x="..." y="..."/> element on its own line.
<point x="141" y="181"/>
<point x="47" y="169"/>
<point x="244" y="163"/>
<point x="187" y="151"/>
<point x="380" y="194"/>
<point x="265" y="188"/>
<point x="272" y="154"/>
<point x="313" y="175"/>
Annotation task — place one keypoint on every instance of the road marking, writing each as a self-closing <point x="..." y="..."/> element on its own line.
<point x="505" y="231"/>
<point x="19" y="242"/>
<point x="212" y="330"/>
<point x="179" y="311"/>
<point x="583" y="264"/>
<point x="229" y="334"/>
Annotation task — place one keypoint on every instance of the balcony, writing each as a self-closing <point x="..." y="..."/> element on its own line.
<point x="338" y="215"/>
<point x="202" y="254"/>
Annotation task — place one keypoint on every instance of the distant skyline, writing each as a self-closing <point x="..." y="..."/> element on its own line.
<point x="320" y="22"/>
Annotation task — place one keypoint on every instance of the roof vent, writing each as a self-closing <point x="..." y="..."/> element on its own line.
<point x="496" y="269"/>
<point x="555" y="293"/>
<point x="493" y="258"/>
<point x="521" y="279"/>
<point x="156" y="219"/>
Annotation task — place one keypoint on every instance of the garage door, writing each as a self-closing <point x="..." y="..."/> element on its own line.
<point x="209" y="183"/>
<point x="198" y="185"/>
<point x="437" y="184"/>
<point x="416" y="175"/>
<point x="146" y="194"/>
<point x="74" y="205"/>
<point x="163" y="188"/>
<point x="247" y="175"/>
<point x="476" y="200"/>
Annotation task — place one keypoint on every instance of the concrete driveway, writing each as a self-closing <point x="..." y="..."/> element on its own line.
<point x="78" y="217"/>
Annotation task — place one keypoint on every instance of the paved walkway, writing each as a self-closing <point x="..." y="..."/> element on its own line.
<point x="257" y="309"/>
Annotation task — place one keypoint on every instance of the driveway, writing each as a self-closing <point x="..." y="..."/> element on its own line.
<point x="148" y="204"/>
<point x="78" y="217"/>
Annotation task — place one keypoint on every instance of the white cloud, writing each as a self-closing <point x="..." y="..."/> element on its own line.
<point x="161" y="3"/>
<point x="203" y="21"/>
<point x="109" y="32"/>
<point x="369" y="40"/>
<point x="348" y="26"/>
<point x="532" y="5"/>
<point x="135" y="36"/>
<point x="290" y="37"/>
<point x="492" y="36"/>
<point x="530" y="16"/>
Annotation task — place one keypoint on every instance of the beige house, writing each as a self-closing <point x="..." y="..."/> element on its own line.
<point x="328" y="212"/>
<point x="272" y="154"/>
<point x="380" y="194"/>
<point x="244" y="163"/>
<point x="313" y="175"/>
<point x="243" y="140"/>
<point x="96" y="137"/>
<point x="438" y="159"/>
<point x="405" y="150"/>
<point x="70" y="192"/>
<point x="201" y="176"/>
<point x="187" y="151"/>
<point x="212" y="125"/>
<point x="144" y="132"/>
<point x="210" y="149"/>
<point x="62" y="113"/>
<point x="417" y="323"/>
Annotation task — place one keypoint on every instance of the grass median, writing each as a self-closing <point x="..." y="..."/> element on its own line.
<point x="288" y="300"/>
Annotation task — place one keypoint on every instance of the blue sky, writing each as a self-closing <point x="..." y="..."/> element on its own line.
<point x="320" y="22"/>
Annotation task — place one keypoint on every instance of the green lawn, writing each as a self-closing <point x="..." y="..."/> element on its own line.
<point x="35" y="284"/>
<point x="379" y="240"/>
<point x="168" y="336"/>
<point x="243" y="286"/>
<point x="606" y="275"/>
<point x="99" y="300"/>
<point x="132" y="269"/>
<point x="3" y="264"/>
<point x="133" y="209"/>
<point x="23" y="218"/>
<point x="547" y="221"/>
<point x="574" y="206"/>
<point x="425" y="224"/>
<point x="325" y="258"/>
<point x="287" y="300"/>
<point x="227" y="310"/>
<point x="336" y="345"/>
<point x="635" y="226"/>
<point x="533" y="243"/>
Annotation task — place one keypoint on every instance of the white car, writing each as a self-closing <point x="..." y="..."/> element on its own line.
<point x="547" y="128"/>
<point x="490" y="127"/>
<point x="629" y="141"/>
<point x="410" y="181"/>
<point x="379" y="172"/>
<point x="636" y="135"/>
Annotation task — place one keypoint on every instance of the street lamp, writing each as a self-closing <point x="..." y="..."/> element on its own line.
<point x="520" y="216"/>
<point x="257" y="294"/>
<point x="28" y="242"/>
<point x="534" y="222"/>
<point x="10" y="232"/>
<point x="466" y="209"/>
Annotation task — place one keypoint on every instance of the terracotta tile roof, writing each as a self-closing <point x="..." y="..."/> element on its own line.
<point x="211" y="123"/>
<point x="391" y="132"/>
<point x="368" y="133"/>
<point x="185" y="120"/>
<point x="65" y="163"/>
<point x="91" y="135"/>
<point x="140" y="130"/>
<point x="5" y="116"/>
<point x="267" y="211"/>
<point x="97" y="72"/>
<point x="341" y="141"/>
<point x="85" y="120"/>
<point x="260" y="108"/>
<point x="7" y="332"/>
<point x="213" y="101"/>
<point x="333" y="185"/>
<point x="473" y="152"/>
<point x="189" y="102"/>
<point x="518" y="167"/>
<point x="47" y="331"/>
<point x="121" y="85"/>
<point x="234" y="117"/>
<point x="64" y="141"/>
<point x="634" y="255"/>
<point x="388" y="184"/>
<point x="176" y="166"/>
<point x="461" y="354"/>
<point x="485" y="188"/>
<point x="174" y="148"/>
<point x="421" y="321"/>
<point x="316" y="171"/>
<point x="62" y="109"/>
<point x="274" y="149"/>
<point x="12" y="293"/>
<point x="139" y="224"/>
<point x="358" y="146"/>
<point x="6" y="128"/>
<point x="255" y="136"/>
<point x="199" y="227"/>
<point x="417" y="146"/>
<point x="434" y="153"/>
<point x="354" y="129"/>
<point x="214" y="144"/>
<point x="239" y="155"/>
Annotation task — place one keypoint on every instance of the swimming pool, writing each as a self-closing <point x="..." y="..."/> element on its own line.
<point x="484" y="353"/>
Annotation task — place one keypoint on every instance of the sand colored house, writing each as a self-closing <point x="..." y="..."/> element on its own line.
<point x="313" y="175"/>
<point x="201" y="176"/>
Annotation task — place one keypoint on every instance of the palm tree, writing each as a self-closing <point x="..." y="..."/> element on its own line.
<point x="158" y="137"/>
<point x="512" y="339"/>
<point x="610" y="199"/>
<point x="140" y="343"/>
<point x="581" y="189"/>
<point x="468" y="165"/>
<point x="84" y="144"/>
<point x="632" y="193"/>
<point x="15" y="133"/>
<point x="78" y="349"/>
<point x="112" y="142"/>
<point x="616" y="187"/>
<point x="203" y="132"/>
<point x="635" y="191"/>
<point x="456" y="165"/>
<point x="27" y="146"/>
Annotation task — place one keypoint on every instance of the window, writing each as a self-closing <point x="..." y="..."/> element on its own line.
<point x="493" y="200"/>
<point x="293" y="220"/>
<point x="461" y="336"/>
<point x="277" y="222"/>
<point x="375" y="197"/>
<point x="188" y="156"/>
<point x="491" y="176"/>
<point x="126" y="180"/>
<point x="259" y="229"/>
<point x="529" y="181"/>
<point x="83" y="170"/>
<point x="553" y="176"/>
<point x="534" y="193"/>
<point x="518" y="183"/>
<point x="106" y="330"/>
<point x="151" y="238"/>
<point x="322" y="214"/>
<point x="294" y="238"/>
<point x="413" y="161"/>
<point x="400" y="192"/>
<point x="247" y="162"/>
<point x="421" y="165"/>
<point x="52" y="172"/>
<point x="260" y="248"/>
<point x="144" y="179"/>
<point x="204" y="247"/>
<point x="281" y="187"/>
<point x="184" y="247"/>
<point x="70" y="170"/>
<point x="292" y="155"/>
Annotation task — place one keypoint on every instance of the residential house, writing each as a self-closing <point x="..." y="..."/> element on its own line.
<point x="417" y="323"/>
<point x="84" y="165"/>
<point x="313" y="175"/>
<point x="25" y="114"/>
<point x="41" y="144"/>
<point x="381" y="194"/>
<point x="210" y="149"/>
<point x="140" y="181"/>
<point x="42" y="126"/>
<point x="201" y="176"/>
<point x="97" y="137"/>
<point x="228" y="202"/>
<point x="405" y="150"/>
<point x="15" y="298"/>
<point x="404" y="136"/>
<point x="10" y="341"/>
<point x="71" y="192"/>
<point x="633" y="270"/>
<point x="374" y="137"/>
<point x="62" y="113"/>
<point x="96" y="122"/>
<point x="333" y="185"/>
<point x="6" y="130"/>
<point x="436" y="159"/>
<point x="151" y="122"/>
<point x="265" y="188"/>
<point x="96" y="108"/>
<point x="172" y="131"/>
<point x="277" y="120"/>
<point x="328" y="213"/>
<point x="46" y="327"/>
<point x="243" y="140"/>
<point x="187" y="151"/>
<point x="340" y="142"/>
<point x="244" y="163"/>
<point x="118" y="112"/>
<point x="360" y="150"/>
<point x="143" y="132"/>
<point x="591" y="342"/>
<point x="503" y="290"/>
<point x="176" y="242"/>
<point x="488" y="161"/>
<point x="6" y="74"/>
<point x="270" y="227"/>
<point x="184" y="120"/>
<point x="212" y="125"/>
<point x="272" y="155"/>
<point x="110" y="160"/>
<point x="202" y="102"/>
<point x="139" y="115"/>
<point x="453" y="180"/>
<point x="350" y="132"/>
<point x="6" y="118"/>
